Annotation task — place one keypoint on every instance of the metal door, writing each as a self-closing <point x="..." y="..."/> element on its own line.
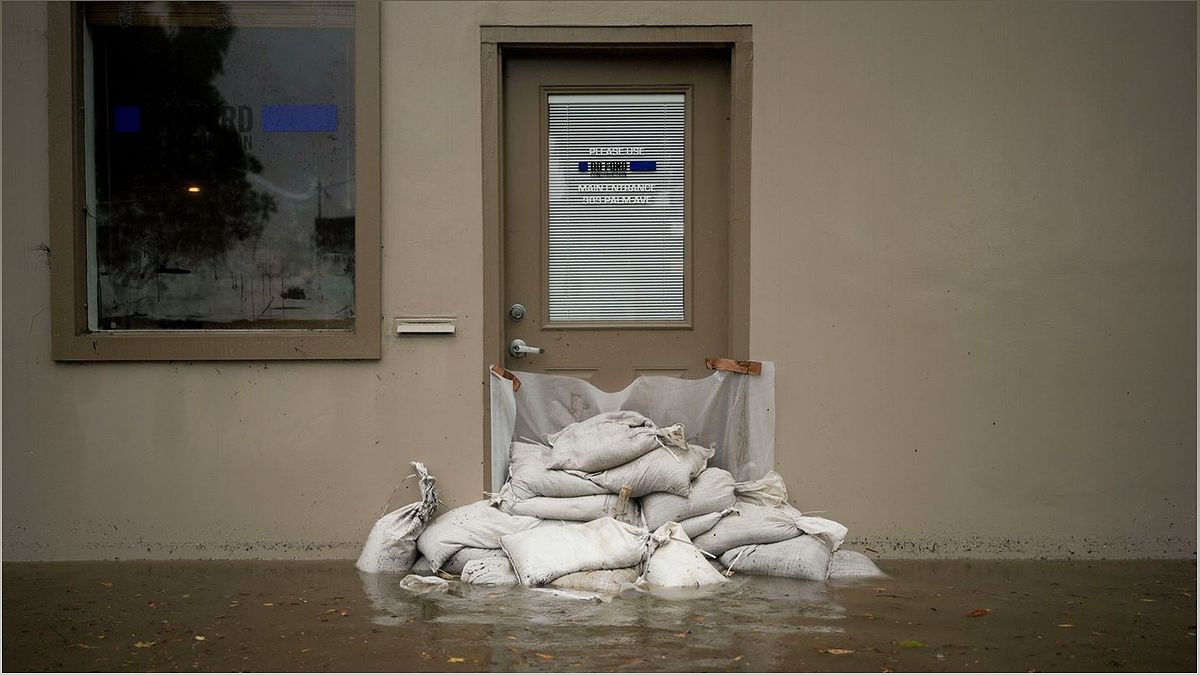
<point x="616" y="212"/>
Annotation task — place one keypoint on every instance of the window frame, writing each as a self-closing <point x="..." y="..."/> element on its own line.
<point x="71" y="340"/>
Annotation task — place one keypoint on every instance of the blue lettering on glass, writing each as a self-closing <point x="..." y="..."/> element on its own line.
<point x="290" y="118"/>
<point x="583" y="166"/>
<point x="127" y="119"/>
<point x="643" y="166"/>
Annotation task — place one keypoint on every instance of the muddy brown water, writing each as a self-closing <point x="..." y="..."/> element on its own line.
<point x="302" y="616"/>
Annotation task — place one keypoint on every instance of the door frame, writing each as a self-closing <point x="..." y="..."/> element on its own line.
<point x="493" y="40"/>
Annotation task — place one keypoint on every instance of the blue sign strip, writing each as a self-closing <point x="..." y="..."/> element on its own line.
<point x="299" y="118"/>
<point x="633" y="166"/>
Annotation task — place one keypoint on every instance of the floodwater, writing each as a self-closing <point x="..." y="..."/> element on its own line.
<point x="1015" y="616"/>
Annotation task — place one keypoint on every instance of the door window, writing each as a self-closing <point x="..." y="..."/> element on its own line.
<point x="617" y="170"/>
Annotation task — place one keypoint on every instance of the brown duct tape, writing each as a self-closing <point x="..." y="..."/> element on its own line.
<point x="734" y="366"/>
<point x="508" y="376"/>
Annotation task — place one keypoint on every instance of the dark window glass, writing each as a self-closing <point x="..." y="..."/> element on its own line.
<point x="220" y="185"/>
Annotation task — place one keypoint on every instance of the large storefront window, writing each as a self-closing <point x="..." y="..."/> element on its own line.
<point x="218" y="147"/>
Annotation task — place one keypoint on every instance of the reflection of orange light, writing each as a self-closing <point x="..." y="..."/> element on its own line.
<point x="193" y="188"/>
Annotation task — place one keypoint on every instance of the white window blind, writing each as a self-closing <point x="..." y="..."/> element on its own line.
<point x="616" y="228"/>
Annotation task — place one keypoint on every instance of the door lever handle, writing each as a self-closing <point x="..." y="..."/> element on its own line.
<point x="519" y="349"/>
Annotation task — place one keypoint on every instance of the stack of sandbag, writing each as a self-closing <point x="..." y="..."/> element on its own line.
<point x="593" y="468"/>
<point x="710" y="496"/>
<point x="610" y="501"/>
<point x="535" y="490"/>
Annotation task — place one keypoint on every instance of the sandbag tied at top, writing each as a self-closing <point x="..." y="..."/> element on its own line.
<point x="477" y="525"/>
<point x="766" y="491"/>
<point x="711" y="491"/>
<point x="609" y="439"/>
<point x="804" y="557"/>
<point x="676" y="563"/>
<point x="529" y="477"/>
<point x="392" y="544"/>
<point x="578" y="509"/>
<point x="541" y="555"/>
<point x="666" y="469"/>
<point x="748" y="524"/>
<point x="698" y="525"/>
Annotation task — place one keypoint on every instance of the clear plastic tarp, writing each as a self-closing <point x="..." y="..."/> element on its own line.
<point x="732" y="413"/>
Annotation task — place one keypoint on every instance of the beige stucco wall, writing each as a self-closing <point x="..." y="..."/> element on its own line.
<point x="974" y="263"/>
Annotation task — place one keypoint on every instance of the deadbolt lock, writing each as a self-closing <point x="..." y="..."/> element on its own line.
<point x="516" y="312"/>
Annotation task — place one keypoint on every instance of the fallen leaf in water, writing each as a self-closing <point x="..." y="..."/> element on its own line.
<point x="681" y="635"/>
<point x="425" y="656"/>
<point x="1148" y="600"/>
<point x="151" y="605"/>
<point x="1066" y="625"/>
<point x="268" y="604"/>
<point x="455" y="659"/>
<point x="306" y="650"/>
<point x="548" y="657"/>
<point x="83" y="646"/>
<point x="911" y="644"/>
<point x="738" y="657"/>
<point x="106" y="584"/>
<point x="200" y="637"/>
<point x="187" y="595"/>
<point x="870" y="616"/>
<point x="343" y="612"/>
<point x="836" y="651"/>
<point x="143" y="645"/>
<point x="976" y="613"/>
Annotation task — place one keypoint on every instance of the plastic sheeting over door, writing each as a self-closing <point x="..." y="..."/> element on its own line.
<point x="732" y="413"/>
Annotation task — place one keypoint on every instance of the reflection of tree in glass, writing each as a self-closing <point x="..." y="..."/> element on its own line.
<point x="173" y="192"/>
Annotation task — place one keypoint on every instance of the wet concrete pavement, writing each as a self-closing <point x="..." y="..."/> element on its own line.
<point x="300" y="616"/>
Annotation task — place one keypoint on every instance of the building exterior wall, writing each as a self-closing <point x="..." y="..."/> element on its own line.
<point x="973" y="251"/>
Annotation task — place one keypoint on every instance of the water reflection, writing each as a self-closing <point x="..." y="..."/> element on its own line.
<point x="807" y="605"/>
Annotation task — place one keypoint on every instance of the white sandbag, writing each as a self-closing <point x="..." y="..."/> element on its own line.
<point x="490" y="572"/>
<point x="607" y="440"/>
<point x="576" y="509"/>
<point x="547" y="553"/>
<point x="459" y="560"/>
<point x="675" y="563"/>
<point x="528" y="476"/>
<point x="748" y="524"/>
<point x="392" y="544"/>
<point x="419" y="584"/>
<point x="832" y="532"/>
<point x="711" y="491"/>
<point x="601" y="581"/>
<point x="666" y="469"/>
<point x="803" y="557"/>
<point x="476" y="525"/>
<point x="853" y="565"/>
<point x="421" y="568"/>
<point x="698" y="525"/>
<point x="766" y="491"/>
